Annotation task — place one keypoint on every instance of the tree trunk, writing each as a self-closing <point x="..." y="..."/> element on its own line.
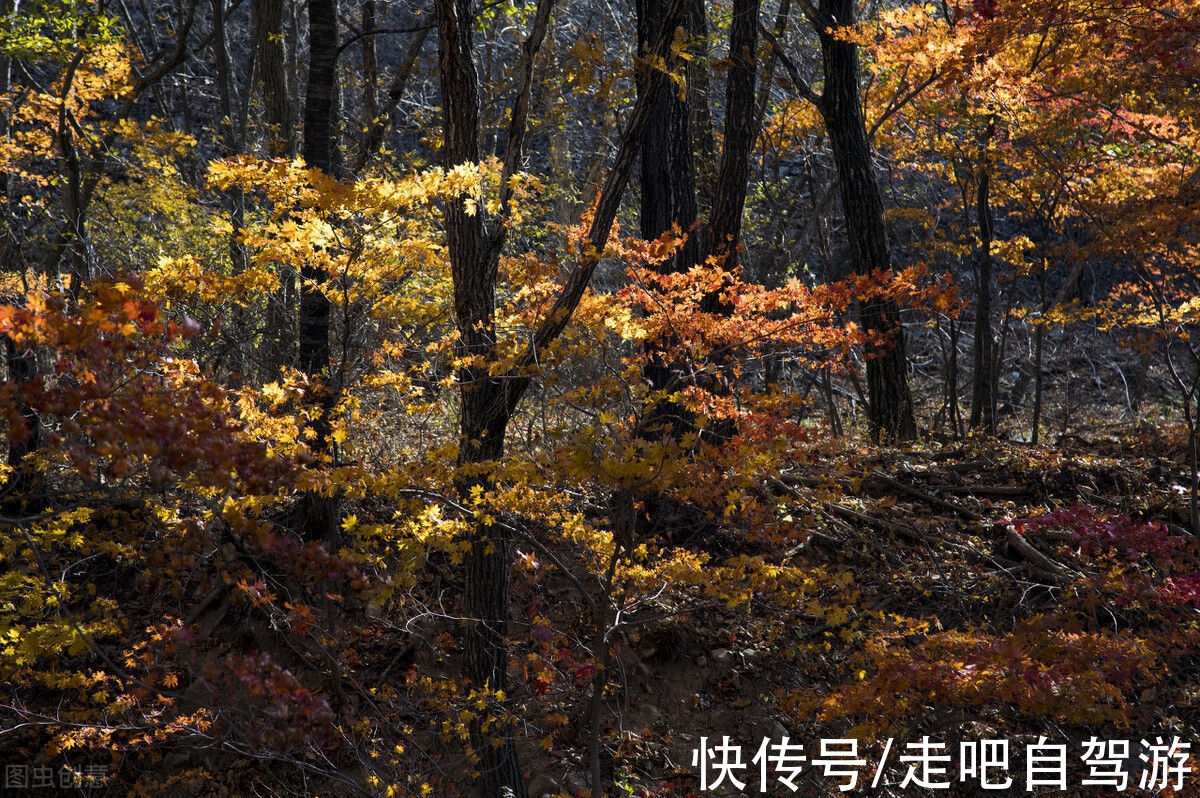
<point x="319" y="521"/>
<point x="231" y="145"/>
<point x="318" y="154"/>
<point x="722" y="234"/>
<point x="890" y="405"/>
<point x="729" y="199"/>
<point x="668" y="175"/>
<point x="22" y="491"/>
<point x="700" y="107"/>
<point x="956" y="427"/>
<point x="488" y="401"/>
<point x="983" y="393"/>
<point x="74" y="204"/>
<point x="280" y="334"/>
<point x="668" y="181"/>
<point x="485" y="407"/>
<point x="1038" y="348"/>
<point x="276" y="95"/>
<point x="370" y="68"/>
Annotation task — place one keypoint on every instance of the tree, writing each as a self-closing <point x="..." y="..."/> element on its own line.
<point x="667" y="175"/>
<point x="320" y="151"/>
<point x="889" y="399"/>
<point x="723" y="232"/>
<point x="24" y="438"/>
<point x="489" y="399"/>
<point x="472" y="412"/>
<point x="54" y="127"/>
<point x="668" y="172"/>
<point x="276" y="96"/>
<point x="983" y="392"/>
<point x="890" y="406"/>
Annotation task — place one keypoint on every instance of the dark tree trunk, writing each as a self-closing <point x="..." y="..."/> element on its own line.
<point x="890" y="406"/>
<point x="276" y="94"/>
<point x="488" y="401"/>
<point x="319" y="152"/>
<point x="722" y="234"/>
<point x="319" y="104"/>
<point x="21" y="494"/>
<point x="1039" y="344"/>
<point x="983" y="393"/>
<point x="74" y="203"/>
<point x="668" y="182"/>
<point x="668" y="176"/>
<point x="729" y="199"/>
<point x="700" y="107"/>
<point x="280" y="335"/>
<point x="370" y="66"/>
<point x="952" y="382"/>
<point x="231" y="145"/>
<point x="486" y="406"/>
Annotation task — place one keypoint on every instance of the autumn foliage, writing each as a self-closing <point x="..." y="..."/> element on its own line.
<point x="729" y="549"/>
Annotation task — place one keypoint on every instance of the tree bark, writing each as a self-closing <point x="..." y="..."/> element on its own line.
<point x="667" y="172"/>
<point x="722" y="234"/>
<point x="317" y="151"/>
<point x="729" y="199"/>
<point x="280" y="333"/>
<point x="319" y="512"/>
<point x="231" y="145"/>
<point x="488" y="401"/>
<point x="983" y="395"/>
<point x="276" y="94"/>
<point x="22" y="492"/>
<point x="668" y="181"/>
<point x="486" y="407"/>
<point x="700" y="107"/>
<point x="1038" y="350"/>
<point x="74" y="198"/>
<point x="890" y="406"/>
<point x="370" y="67"/>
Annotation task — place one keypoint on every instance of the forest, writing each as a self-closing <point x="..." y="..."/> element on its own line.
<point x="561" y="398"/>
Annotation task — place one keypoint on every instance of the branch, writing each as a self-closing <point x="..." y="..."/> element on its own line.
<point x="928" y="498"/>
<point x="556" y="319"/>
<point x="518" y="124"/>
<point x="395" y="92"/>
<point x="150" y="78"/>
<point x="897" y="102"/>
<point x="798" y="83"/>
<point x="422" y="29"/>
<point x="811" y="13"/>
<point x="542" y="548"/>
<point x="116" y="669"/>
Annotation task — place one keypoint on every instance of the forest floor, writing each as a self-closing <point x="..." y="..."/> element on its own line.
<point x="994" y="591"/>
<point x="956" y="590"/>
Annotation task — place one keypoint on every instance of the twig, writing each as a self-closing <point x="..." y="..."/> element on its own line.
<point x="1035" y="559"/>
<point x="970" y="515"/>
<point x="878" y="523"/>
<point x="985" y="490"/>
<point x="117" y="670"/>
<point x="861" y="518"/>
